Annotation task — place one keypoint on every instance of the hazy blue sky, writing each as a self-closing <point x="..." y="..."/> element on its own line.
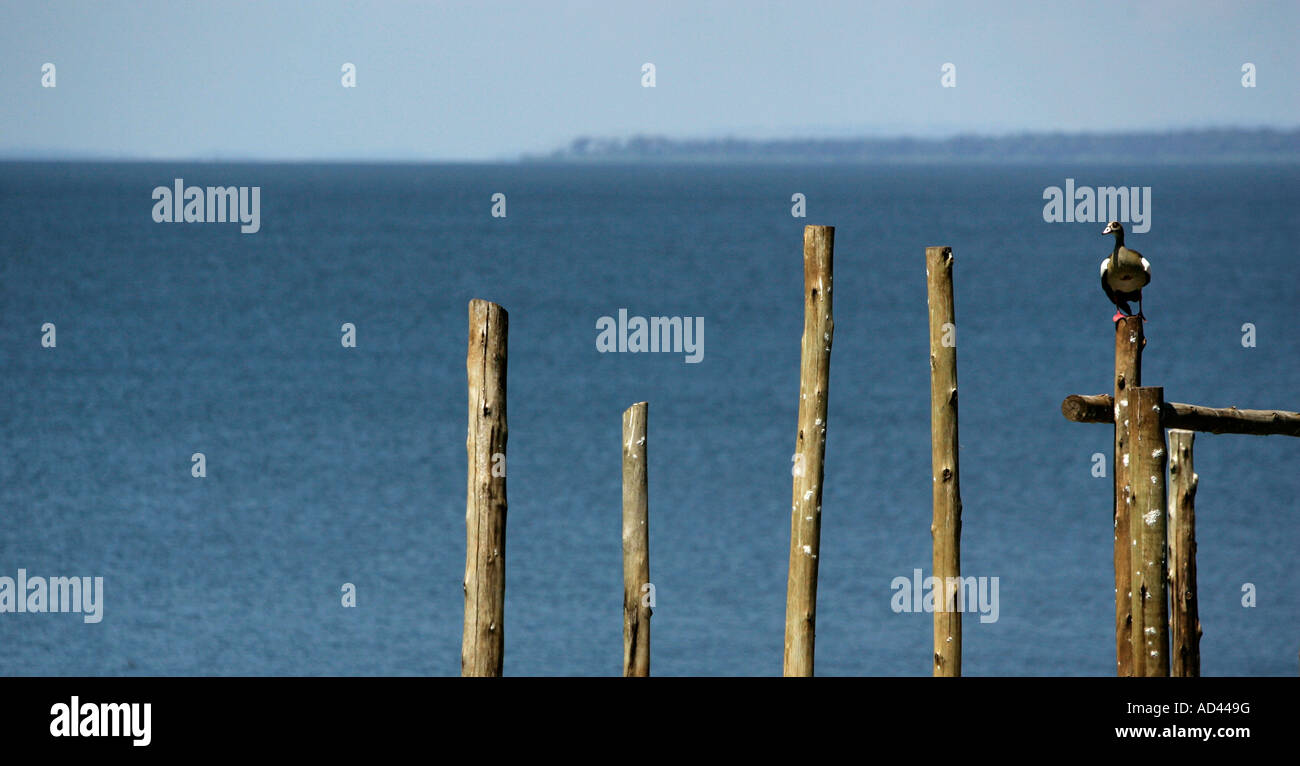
<point x="478" y="80"/>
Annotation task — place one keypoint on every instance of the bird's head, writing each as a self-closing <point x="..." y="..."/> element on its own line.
<point x="1113" y="227"/>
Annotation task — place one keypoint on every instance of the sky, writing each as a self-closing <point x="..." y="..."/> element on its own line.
<point x="491" y="80"/>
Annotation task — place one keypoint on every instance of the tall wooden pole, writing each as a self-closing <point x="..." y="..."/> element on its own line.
<point x="945" y="526"/>
<point x="1129" y="342"/>
<point x="636" y="543"/>
<point x="810" y="448"/>
<point x="1148" y="533"/>
<point x="1185" y="623"/>
<point x="482" y="650"/>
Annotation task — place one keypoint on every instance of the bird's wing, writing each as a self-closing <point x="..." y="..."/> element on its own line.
<point x="1105" y="285"/>
<point x="1146" y="265"/>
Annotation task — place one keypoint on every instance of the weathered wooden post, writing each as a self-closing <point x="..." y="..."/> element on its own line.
<point x="1185" y="630"/>
<point x="1097" y="408"/>
<point x="1129" y="342"/>
<point x="1155" y="541"/>
<point x="636" y="543"/>
<point x="1147" y="456"/>
<point x="1182" y="419"/>
<point x="482" y="650"/>
<point x="810" y="448"/>
<point x="945" y="525"/>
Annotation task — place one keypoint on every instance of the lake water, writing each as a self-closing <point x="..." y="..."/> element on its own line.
<point x="328" y="465"/>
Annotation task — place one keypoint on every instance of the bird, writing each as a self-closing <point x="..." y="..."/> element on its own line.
<point x="1123" y="274"/>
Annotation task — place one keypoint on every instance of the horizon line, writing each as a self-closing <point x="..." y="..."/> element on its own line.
<point x="555" y="154"/>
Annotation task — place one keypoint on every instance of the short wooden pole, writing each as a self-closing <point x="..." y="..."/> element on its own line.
<point x="1148" y="533"/>
<point x="945" y="525"/>
<point x="810" y="448"/>
<point x="636" y="544"/>
<point x="483" y="643"/>
<point x="1129" y="342"/>
<point x="1185" y="623"/>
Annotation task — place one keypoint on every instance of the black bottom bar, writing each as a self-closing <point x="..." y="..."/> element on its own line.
<point x="440" y="716"/>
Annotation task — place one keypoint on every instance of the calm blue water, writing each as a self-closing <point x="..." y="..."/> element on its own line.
<point x="329" y="465"/>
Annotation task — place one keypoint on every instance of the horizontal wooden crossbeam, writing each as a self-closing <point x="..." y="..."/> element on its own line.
<point x="1100" y="408"/>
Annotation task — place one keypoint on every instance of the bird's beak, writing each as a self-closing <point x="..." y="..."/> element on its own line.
<point x="1106" y="230"/>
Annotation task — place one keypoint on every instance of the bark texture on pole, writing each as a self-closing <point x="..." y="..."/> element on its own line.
<point x="1096" y="408"/>
<point x="1185" y="623"/>
<point x="482" y="650"/>
<point x="1089" y="408"/>
<point x="1230" y="420"/>
<point x="1147" y="522"/>
<point x="636" y="543"/>
<point x="1129" y="342"/>
<point x="945" y="524"/>
<point x="810" y="448"/>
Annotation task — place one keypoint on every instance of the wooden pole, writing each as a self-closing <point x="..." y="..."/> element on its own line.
<point x="482" y="650"/>
<point x="1096" y="408"/>
<point x="810" y="448"/>
<point x="1129" y="342"/>
<point x="1231" y="420"/>
<point x="636" y="543"/>
<point x="1089" y="408"/>
<point x="945" y="525"/>
<point x="1185" y="624"/>
<point x="1148" y="533"/>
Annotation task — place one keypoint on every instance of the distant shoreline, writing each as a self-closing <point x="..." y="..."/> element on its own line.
<point x="1207" y="145"/>
<point x="1184" y="146"/>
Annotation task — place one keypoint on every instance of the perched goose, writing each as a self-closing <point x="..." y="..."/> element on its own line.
<point x="1123" y="274"/>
